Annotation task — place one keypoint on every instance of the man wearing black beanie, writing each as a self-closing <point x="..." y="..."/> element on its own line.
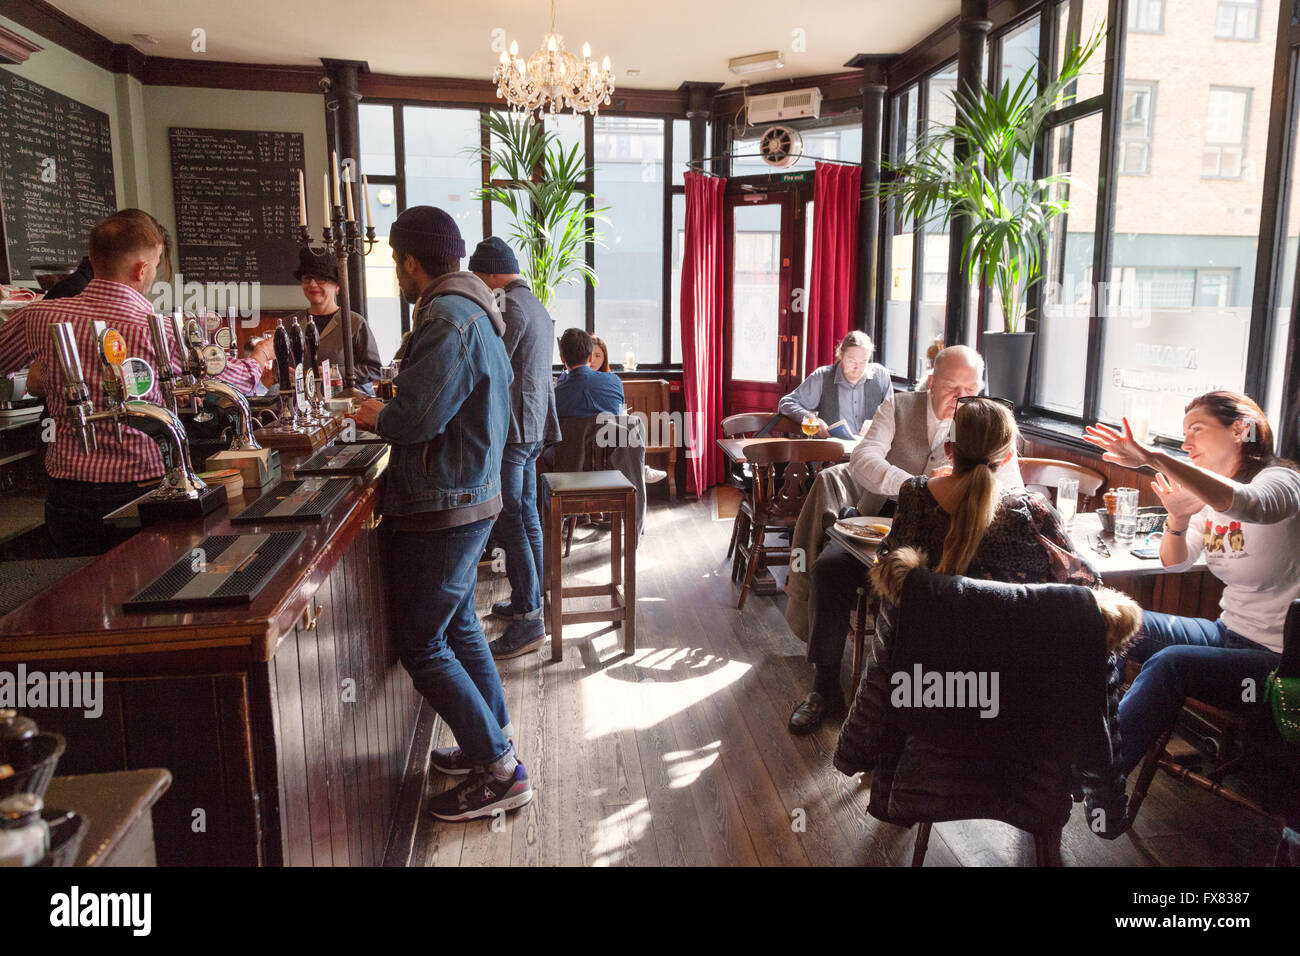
<point x="442" y="491"/>
<point x="533" y="422"/>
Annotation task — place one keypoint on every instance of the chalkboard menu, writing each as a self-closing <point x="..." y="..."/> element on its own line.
<point x="236" y="196"/>
<point x="56" y="175"/>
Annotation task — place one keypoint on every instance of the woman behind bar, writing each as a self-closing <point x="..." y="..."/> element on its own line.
<point x="319" y="276"/>
<point x="1240" y="504"/>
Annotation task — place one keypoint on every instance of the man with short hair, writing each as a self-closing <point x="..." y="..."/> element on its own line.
<point x="125" y="252"/>
<point x="442" y="491"/>
<point x="533" y="423"/>
<point x="906" y="438"/>
<point x="584" y="392"/>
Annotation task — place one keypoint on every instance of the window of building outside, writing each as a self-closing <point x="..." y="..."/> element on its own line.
<point x="1146" y="16"/>
<point x="629" y="179"/>
<point x="1225" y="132"/>
<point x="1182" y="271"/>
<point x="1238" y="20"/>
<point x="1136" y="124"/>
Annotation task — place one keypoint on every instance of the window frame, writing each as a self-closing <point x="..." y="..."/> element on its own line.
<point x="1149" y="87"/>
<point x="1160" y="19"/>
<point x="1219" y="147"/>
<point x="1237" y="6"/>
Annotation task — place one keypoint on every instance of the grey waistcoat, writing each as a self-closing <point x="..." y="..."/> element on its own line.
<point x="911" y="448"/>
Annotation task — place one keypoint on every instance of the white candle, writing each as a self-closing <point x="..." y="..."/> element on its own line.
<point x="334" y="169"/>
<point x="325" y="192"/>
<point x="365" y="193"/>
<point x="302" y="200"/>
<point x="347" y="189"/>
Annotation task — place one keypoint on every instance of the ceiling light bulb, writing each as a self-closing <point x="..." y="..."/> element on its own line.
<point x="550" y="43"/>
<point x="505" y="58"/>
<point x="514" y="49"/>
<point x="604" y="64"/>
<point x="586" y="51"/>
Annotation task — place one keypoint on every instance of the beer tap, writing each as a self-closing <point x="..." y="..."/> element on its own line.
<point x="287" y="379"/>
<point x="180" y="484"/>
<point x="162" y="358"/>
<point x="316" y="387"/>
<point x="200" y="367"/>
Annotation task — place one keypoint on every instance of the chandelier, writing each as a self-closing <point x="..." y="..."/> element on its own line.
<point x="553" y="79"/>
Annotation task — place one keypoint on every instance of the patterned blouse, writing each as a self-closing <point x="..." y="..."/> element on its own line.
<point x="1026" y="544"/>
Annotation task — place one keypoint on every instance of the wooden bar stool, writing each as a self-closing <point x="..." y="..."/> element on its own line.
<point x="583" y="493"/>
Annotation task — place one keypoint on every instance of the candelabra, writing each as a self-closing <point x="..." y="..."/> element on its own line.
<point x="342" y="239"/>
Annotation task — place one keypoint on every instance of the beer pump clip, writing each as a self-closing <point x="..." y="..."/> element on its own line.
<point x="315" y="380"/>
<point x="182" y="493"/>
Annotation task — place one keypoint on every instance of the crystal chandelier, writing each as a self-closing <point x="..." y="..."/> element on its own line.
<point x="553" y="79"/>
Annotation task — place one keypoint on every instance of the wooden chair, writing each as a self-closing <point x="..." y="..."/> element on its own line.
<point x="775" y="502"/>
<point x="1220" y="735"/>
<point x="649" y="400"/>
<point x="741" y="476"/>
<point x="1042" y="474"/>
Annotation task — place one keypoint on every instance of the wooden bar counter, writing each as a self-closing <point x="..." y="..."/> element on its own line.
<point x="287" y="724"/>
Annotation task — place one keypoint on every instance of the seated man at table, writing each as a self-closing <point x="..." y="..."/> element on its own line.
<point x="906" y="438"/>
<point x="851" y="389"/>
<point x="584" y="392"/>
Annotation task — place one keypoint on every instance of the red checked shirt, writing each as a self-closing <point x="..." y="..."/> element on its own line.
<point x="25" y="338"/>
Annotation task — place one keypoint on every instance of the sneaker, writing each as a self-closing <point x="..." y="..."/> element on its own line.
<point x="481" y="796"/>
<point x="520" y="638"/>
<point x="653" y="474"/>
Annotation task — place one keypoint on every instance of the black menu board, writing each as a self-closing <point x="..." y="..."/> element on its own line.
<point x="236" y="196"/>
<point x="56" y="175"/>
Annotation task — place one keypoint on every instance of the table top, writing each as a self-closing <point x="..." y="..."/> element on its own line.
<point x="734" y="448"/>
<point x="1084" y="534"/>
<point x="111" y="803"/>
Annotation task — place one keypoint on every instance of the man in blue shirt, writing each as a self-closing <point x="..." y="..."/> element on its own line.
<point x="583" y="392"/>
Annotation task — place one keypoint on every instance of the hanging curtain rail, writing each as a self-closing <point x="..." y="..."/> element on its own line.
<point x="695" y="165"/>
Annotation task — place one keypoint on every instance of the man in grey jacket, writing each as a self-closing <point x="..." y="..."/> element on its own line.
<point x="530" y="330"/>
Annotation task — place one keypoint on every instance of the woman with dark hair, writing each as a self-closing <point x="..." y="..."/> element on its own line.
<point x="1238" y="503"/>
<point x="851" y="389"/>
<point x="599" y="354"/>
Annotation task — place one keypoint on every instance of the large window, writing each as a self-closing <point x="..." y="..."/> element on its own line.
<point x="900" y="242"/>
<point x="1146" y="16"/>
<point x="417" y="154"/>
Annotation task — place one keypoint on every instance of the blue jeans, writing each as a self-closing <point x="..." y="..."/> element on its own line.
<point x="431" y="577"/>
<point x="1187" y="657"/>
<point x="519" y="529"/>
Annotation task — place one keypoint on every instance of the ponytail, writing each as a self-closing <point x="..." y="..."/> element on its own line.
<point x="985" y="434"/>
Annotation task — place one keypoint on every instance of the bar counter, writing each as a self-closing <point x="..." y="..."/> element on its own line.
<point x="287" y="723"/>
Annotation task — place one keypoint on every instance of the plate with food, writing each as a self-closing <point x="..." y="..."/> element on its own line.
<point x="866" y="528"/>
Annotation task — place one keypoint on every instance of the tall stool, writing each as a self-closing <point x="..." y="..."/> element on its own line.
<point x="583" y="493"/>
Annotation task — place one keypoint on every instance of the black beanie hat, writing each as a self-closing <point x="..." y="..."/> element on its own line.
<point x="320" y="266"/>
<point x="493" y="257"/>
<point x="427" y="230"/>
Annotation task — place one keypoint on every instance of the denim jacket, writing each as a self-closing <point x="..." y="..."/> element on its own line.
<point x="448" y="421"/>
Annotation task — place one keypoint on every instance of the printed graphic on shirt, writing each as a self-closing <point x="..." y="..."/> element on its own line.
<point x="1228" y="540"/>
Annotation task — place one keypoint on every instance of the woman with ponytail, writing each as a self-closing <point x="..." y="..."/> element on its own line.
<point x="969" y="523"/>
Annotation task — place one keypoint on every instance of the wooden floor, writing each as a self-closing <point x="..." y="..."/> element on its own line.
<point x="680" y="755"/>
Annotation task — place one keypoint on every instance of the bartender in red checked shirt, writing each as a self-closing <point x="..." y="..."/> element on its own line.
<point x="125" y="251"/>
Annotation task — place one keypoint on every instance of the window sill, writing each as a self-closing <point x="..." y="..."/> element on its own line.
<point x="1070" y="435"/>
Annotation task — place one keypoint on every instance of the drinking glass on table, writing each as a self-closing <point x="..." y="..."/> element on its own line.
<point x="1067" y="500"/>
<point x="1126" y="514"/>
<point x="809" y="425"/>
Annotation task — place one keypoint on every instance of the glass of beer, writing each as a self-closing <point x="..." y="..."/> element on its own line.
<point x="809" y="425"/>
<point x="384" y="388"/>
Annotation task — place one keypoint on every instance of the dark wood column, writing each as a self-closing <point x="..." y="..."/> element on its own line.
<point x="699" y="104"/>
<point x="341" y="102"/>
<point x="869" y="316"/>
<point x="973" y="31"/>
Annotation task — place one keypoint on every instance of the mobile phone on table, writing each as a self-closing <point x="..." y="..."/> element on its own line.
<point x="1147" y="552"/>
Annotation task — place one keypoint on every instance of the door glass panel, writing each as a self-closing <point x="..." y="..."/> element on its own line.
<point x="1285" y="280"/>
<point x="756" y="284"/>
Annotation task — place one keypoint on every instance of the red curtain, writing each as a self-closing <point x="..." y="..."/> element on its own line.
<point x="832" y="287"/>
<point x="702" y="304"/>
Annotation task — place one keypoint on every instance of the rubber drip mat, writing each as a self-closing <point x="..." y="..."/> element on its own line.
<point x="221" y="569"/>
<point x="353" y="459"/>
<point x="306" y="499"/>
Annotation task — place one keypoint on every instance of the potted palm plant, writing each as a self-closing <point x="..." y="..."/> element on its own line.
<point x="980" y="167"/>
<point x="540" y="183"/>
